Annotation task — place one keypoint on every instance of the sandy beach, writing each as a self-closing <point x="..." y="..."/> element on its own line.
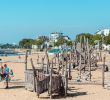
<point x="17" y="91"/>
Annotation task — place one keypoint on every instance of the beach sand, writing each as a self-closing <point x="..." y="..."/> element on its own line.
<point x="17" y="91"/>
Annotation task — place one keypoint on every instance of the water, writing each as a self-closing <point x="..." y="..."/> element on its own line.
<point x="5" y="52"/>
<point x="55" y="51"/>
<point x="11" y="54"/>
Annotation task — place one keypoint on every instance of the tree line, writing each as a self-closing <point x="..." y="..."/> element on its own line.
<point x="93" y="37"/>
<point x="27" y="43"/>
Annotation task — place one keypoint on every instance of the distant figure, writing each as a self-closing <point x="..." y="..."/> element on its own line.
<point x="106" y="68"/>
<point x="11" y="74"/>
<point x="2" y="72"/>
<point x="6" y="74"/>
<point x="19" y="57"/>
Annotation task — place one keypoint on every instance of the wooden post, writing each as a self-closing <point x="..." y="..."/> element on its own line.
<point x="63" y="68"/>
<point x="51" y="81"/>
<point x="58" y="63"/>
<point x="1" y="61"/>
<point x="26" y="56"/>
<point x="90" y="65"/>
<point x="100" y="55"/>
<point x="48" y="64"/>
<point x="76" y="56"/>
<point x="35" y="76"/>
<point x="81" y="43"/>
<point x="70" y="64"/>
<point x="80" y="66"/>
<point x="55" y="60"/>
<point x="103" y="67"/>
<point x="43" y="65"/>
<point x="66" y="79"/>
<point x="89" y="59"/>
<point x="80" y="56"/>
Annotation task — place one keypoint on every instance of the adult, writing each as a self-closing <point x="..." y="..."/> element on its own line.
<point x="2" y="72"/>
<point x="6" y="74"/>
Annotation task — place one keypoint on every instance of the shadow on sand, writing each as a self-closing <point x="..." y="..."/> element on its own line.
<point x="15" y="87"/>
<point x="68" y="95"/>
<point x="72" y="92"/>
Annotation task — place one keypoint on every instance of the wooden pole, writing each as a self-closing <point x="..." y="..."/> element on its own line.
<point x="100" y="55"/>
<point x="103" y="75"/>
<point x="35" y="76"/>
<point x="80" y="66"/>
<point x="70" y="64"/>
<point x="48" y="64"/>
<point x="81" y="43"/>
<point x="66" y="81"/>
<point x="1" y="61"/>
<point x="89" y="59"/>
<point x="51" y="81"/>
<point x="26" y="56"/>
<point x="43" y="65"/>
<point x="58" y="63"/>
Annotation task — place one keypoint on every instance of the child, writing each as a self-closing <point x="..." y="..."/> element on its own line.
<point x="11" y="74"/>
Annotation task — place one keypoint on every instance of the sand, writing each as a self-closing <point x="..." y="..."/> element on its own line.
<point x="76" y="92"/>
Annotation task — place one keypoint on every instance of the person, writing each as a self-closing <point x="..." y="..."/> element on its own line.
<point x="6" y="74"/>
<point x="2" y="72"/>
<point x="11" y="74"/>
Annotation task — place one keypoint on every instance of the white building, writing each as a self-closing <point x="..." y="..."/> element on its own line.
<point x="104" y="32"/>
<point x="106" y="47"/>
<point x="54" y="36"/>
<point x="66" y="38"/>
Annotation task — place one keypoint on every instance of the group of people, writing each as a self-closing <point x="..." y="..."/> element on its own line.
<point x="6" y="74"/>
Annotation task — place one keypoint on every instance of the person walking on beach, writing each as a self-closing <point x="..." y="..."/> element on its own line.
<point x="6" y="74"/>
<point x="2" y="73"/>
<point x="11" y="75"/>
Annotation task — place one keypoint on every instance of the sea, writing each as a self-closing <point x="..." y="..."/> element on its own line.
<point x="9" y="52"/>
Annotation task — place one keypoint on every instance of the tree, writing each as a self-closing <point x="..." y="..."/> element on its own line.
<point x="27" y="43"/>
<point x="91" y="37"/>
<point x="106" y="39"/>
<point x="86" y="35"/>
<point x="98" y="37"/>
<point x="69" y="43"/>
<point x="60" y="41"/>
<point x="41" y="40"/>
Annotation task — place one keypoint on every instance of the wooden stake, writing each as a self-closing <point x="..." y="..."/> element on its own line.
<point x="35" y="76"/>
<point x="51" y="81"/>
<point x="66" y="81"/>
<point x="26" y="56"/>
<point x="103" y="67"/>
<point x="48" y="64"/>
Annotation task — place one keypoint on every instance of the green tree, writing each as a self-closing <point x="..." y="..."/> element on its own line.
<point x="86" y="35"/>
<point x="98" y="37"/>
<point x="60" y="41"/>
<point x="106" y="39"/>
<point x="26" y="43"/>
<point x="41" y="41"/>
<point x="69" y="43"/>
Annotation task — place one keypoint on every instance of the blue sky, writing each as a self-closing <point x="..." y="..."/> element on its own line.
<point x="30" y="18"/>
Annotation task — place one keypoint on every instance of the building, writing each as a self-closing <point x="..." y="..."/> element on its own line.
<point x="66" y="38"/>
<point x="104" y="32"/>
<point x="54" y="36"/>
